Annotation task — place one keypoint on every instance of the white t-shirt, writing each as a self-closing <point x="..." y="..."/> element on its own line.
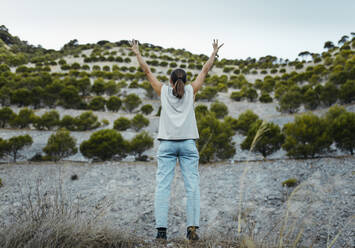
<point x="177" y="116"/>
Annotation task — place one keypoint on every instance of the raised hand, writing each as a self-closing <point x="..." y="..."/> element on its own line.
<point x="134" y="46"/>
<point x="216" y="47"/>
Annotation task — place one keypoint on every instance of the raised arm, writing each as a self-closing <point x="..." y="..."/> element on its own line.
<point x="196" y="85"/>
<point x="151" y="78"/>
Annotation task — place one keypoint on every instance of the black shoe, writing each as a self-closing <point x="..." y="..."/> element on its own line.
<point x="191" y="233"/>
<point x="161" y="235"/>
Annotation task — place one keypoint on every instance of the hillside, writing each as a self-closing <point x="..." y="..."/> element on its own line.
<point x="273" y="89"/>
<point x="276" y="146"/>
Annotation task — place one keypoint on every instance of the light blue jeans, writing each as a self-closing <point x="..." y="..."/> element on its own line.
<point x="168" y="153"/>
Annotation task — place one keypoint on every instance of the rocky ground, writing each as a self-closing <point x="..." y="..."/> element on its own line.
<point x="322" y="203"/>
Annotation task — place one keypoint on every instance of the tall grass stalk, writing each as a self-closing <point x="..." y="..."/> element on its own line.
<point x="261" y="131"/>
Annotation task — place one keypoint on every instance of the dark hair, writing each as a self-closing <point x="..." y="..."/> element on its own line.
<point x="178" y="77"/>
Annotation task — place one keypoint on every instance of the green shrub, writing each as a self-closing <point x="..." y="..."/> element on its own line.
<point x="75" y="66"/>
<point x="98" y="87"/>
<point x="311" y="99"/>
<point x="237" y="95"/>
<point x="104" y="145"/>
<point x="140" y="143"/>
<point x="290" y="101"/>
<point x="173" y="65"/>
<point x="207" y="93"/>
<point x="251" y="94"/>
<point x="245" y="120"/>
<point x="114" y="103"/>
<point x="269" y="138"/>
<point x="341" y="128"/>
<point x="6" y="116"/>
<point x="227" y="69"/>
<point x="48" y="120"/>
<point x="96" y="68"/>
<point x="306" y="136"/>
<point x="139" y="121"/>
<point x="86" y="121"/>
<point x="21" y="97"/>
<point x="291" y="182"/>
<point x="347" y="92"/>
<point x="150" y="93"/>
<point x="68" y="122"/>
<point x="69" y="97"/>
<point x="60" y="145"/>
<point x="201" y="110"/>
<point x="215" y="138"/>
<point x="24" y="118"/>
<point x="84" y="86"/>
<point x="106" y="68"/>
<point x="111" y="88"/>
<point x="122" y="124"/>
<point x="232" y="122"/>
<point x="131" y="102"/>
<point x="220" y="109"/>
<point x="105" y="122"/>
<point x="329" y="94"/>
<point x="265" y="97"/>
<point x="147" y="109"/>
<point x="97" y="103"/>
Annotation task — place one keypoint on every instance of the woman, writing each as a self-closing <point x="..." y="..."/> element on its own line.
<point x="177" y="135"/>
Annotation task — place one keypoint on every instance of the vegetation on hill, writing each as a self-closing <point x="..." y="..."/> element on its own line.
<point x="33" y="77"/>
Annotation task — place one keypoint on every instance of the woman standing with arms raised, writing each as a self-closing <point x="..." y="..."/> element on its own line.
<point x="177" y="135"/>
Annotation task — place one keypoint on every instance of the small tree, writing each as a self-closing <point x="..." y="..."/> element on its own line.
<point x="139" y="121"/>
<point x="265" y="97"/>
<point x="122" y="124"/>
<point x="215" y="138"/>
<point x="48" y="120"/>
<point x="114" y="103"/>
<point x="97" y="103"/>
<point x="150" y="93"/>
<point x="132" y="101"/>
<point x="98" y="87"/>
<point x="24" y="118"/>
<point x="6" y="116"/>
<point x="290" y="101"/>
<point x="68" y="122"/>
<point x="251" y="94"/>
<point x="140" y="143"/>
<point x="17" y="143"/>
<point x="104" y="145"/>
<point x="60" y="145"/>
<point x="86" y="121"/>
<point x="311" y="99"/>
<point x="69" y="97"/>
<point x="306" y="136"/>
<point x="220" y="109"/>
<point x="147" y="109"/>
<point x="237" y="95"/>
<point x="269" y="141"/>
<point x="329" y="94"/>
<point x="207" y="93"/>
<point x="341" y="127"/>
<point x="111" y="88"/>
<point x="245" y="121"/>
<point x="347" y="91"/>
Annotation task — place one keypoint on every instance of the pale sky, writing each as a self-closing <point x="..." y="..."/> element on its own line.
<point x="254" y="28"/>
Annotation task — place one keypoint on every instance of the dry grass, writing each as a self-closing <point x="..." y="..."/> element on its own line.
<point x="48" y="218"/>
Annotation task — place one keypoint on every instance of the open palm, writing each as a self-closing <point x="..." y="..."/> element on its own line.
<point x="134" y="46"/>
